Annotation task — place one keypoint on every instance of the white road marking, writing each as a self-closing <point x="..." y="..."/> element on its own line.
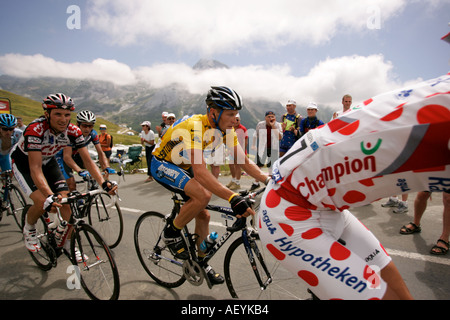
<point x="391" y="252"/>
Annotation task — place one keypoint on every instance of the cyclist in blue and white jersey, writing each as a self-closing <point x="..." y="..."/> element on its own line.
<point x="9" y="136"/>
<point x="69" y="159"/>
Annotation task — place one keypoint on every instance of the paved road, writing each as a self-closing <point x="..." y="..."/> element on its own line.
<point x="426" y="275"/>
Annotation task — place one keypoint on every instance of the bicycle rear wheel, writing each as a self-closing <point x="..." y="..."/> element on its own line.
<point x="242" y="282"/>
<point x="106" y="218"/>
<point x="155" y="257"/>
<point x="96" y="269"/>
<point x="45" y="258"/>
<point x="17" y="203"/>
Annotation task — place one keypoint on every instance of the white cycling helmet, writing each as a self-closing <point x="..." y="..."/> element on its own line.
<point x="86" y="116"/>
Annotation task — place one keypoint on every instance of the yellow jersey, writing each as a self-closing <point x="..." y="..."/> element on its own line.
<point x="194" y="132"/>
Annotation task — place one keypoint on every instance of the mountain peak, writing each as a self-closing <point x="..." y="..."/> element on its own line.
<point x="204" y="64"/>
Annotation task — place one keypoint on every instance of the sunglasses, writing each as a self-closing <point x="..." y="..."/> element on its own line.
<point x="7" y="129"/>
<point x="87" y="125"/>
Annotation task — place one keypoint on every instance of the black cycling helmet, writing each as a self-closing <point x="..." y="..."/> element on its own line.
<point x="58" y="101"/>
<point x="7" y="120"/>
<point x="223" y="98"/>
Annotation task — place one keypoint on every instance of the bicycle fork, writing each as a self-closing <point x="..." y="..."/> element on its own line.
<point x="250" y="247"/>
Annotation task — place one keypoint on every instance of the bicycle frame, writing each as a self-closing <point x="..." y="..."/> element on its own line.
<point x="239" y="225"/>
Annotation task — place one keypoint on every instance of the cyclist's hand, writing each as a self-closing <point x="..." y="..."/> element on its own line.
<point x="52" y="201"/>
<point x="109" y="170"/>
<point x="84" y="173"/>
<point x="240" y="206"/>
<point x="109" y="187"/>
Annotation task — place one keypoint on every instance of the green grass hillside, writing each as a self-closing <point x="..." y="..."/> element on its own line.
<point x="29" y="110"/>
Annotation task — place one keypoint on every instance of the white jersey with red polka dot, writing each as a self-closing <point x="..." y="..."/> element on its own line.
<point x="394" y="143"/>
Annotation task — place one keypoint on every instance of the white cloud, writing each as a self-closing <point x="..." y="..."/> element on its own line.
<point x="326" y="82"/>
<point x="24" y="66"/>
<point x="209" y="27"/>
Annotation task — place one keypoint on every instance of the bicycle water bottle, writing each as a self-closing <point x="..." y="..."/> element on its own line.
<point x="60" y="233"/>
<point x="209" y="242"/>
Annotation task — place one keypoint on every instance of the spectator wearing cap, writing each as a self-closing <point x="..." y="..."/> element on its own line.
<point x="170" y="119"/>
<point x="148" y="141"/>
<point x="310" y="122"/>
<point x="267" y="137"/>
<point x="163" y="124"/>
<point x="290" y="123"/>
<point x="105" y="141"/>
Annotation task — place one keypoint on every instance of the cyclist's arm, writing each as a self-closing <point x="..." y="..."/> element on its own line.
<point x="35" y="164"/>
<point x="249" y="166"/>
<point x="92" y="167"/>
<point x="67" y="157"/>
<point x="209" y="182"/>
<point x="101" y="157"/>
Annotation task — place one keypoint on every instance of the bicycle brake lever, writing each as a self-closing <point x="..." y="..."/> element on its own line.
<point x="238" y="224"/>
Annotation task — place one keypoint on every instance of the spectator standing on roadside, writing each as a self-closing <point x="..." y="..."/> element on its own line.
<point x="346" y="104"/>
<point x="234" y="165"/>
<point x="20" y="125"/>
<point x="163" y="124"/>
<point x="148" y="141"/>
<point x="267" y="137"/>
<point x="311" y="121"/>
<point x="290" y="123"/>
<point x="105" y="141"/>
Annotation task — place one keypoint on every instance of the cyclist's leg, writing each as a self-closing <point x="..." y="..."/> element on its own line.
<point x="361" y="241"/>
<point x="305" y="242"/>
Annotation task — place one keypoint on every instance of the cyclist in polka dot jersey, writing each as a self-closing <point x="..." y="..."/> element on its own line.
<point x="391" y="144"/>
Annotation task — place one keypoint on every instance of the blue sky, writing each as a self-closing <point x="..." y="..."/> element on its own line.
<point x="287" y="48"/>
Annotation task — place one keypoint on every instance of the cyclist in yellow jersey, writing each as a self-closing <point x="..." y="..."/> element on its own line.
<point x="178" y="164"/>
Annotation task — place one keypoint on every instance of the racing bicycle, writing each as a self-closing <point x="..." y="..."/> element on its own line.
<point x="93" y="262"/>
<point x="12" y="198"/>
<point x="103" y="213"/>
<point x="251" y="272"/>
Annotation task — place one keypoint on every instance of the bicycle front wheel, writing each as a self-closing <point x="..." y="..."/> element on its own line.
<point x="94" y="264"/>
<point x="45" y="258"/>
<point x="106" y="217"/>
<point x="261" y="279"/>
<point x="155" y="257"/>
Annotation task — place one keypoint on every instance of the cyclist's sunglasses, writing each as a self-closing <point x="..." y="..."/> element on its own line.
<point x="7" y="129"/>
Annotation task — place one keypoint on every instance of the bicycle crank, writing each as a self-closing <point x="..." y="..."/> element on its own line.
<point x="193" y="273"/>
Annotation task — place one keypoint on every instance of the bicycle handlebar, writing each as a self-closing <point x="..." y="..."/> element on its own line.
<point x="240" y="223"/>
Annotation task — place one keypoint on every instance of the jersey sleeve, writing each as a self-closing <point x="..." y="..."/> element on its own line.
<point x="33" y="137"/>
<point x="75" y="136"/>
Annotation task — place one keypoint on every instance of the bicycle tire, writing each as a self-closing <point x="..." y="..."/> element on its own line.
<point x="242" y="282"/>
<point x="107" y="221"/>
<point x="98" y="275"/>
<point x="155" y="257"/>
<point x="17" y="203"/>
<point x="45" y="259"/>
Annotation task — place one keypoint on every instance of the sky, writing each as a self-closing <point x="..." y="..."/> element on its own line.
<point x="279" y="50"/>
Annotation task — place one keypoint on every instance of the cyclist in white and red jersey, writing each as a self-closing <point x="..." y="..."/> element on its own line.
<point x="35" y="166"/>
<point x="395" y="143"/>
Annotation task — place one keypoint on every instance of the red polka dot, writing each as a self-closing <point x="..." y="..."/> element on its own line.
<point x="339" y="252"/>
<point x="287" y="228"/>
<point x="433" y="113"/>
<point x="393" y="115"/>
<point x="367" y="182"/>
<point x="367" y="102"/>
<point x="330" y="206"/>
<point x="350" y="129"/>
<point x="372" y="277"/>
<point x="272" y="199"/>
<point x="296" y="213"/>
<point x="309" y="277"/>
<point x="312" y="233"/>
<point x="275" y="252"/>
<point x="354" y="196"/>
<point x="331" y="191"/>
